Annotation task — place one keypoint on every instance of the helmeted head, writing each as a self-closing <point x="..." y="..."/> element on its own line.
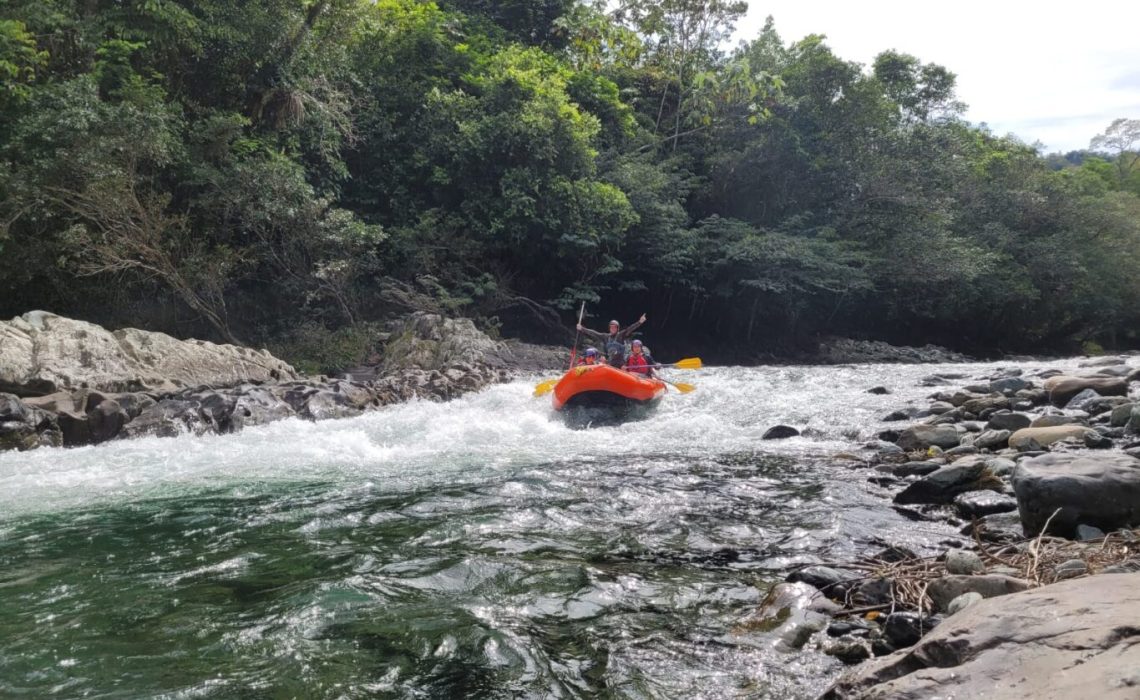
<point x="636" y="347"/>
<point x="591" y="355"/>
<point x="614" y="326"/>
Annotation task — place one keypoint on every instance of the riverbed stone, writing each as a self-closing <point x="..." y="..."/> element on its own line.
<point x="1087" y="533"/>
<point x="983" y="404"/>
<point x="1095" y="488"/>
<point x="1071" y="568"/>
<point x="978" y="504"/>
<point x="910" y="468"/>
<point x="904" y="629"/>
<point x="921" y="437"/>
<point x="1121" y="415"/>
<point x="992" y="439"/>
<point x="941" y="486"/>
<point x="1038" y="438"/>
<point x="962" y="602"/>
<point x="1063" y="388"/>
<point x="963" y="561"/>
<point x="946" y="588"/>
<point x="999" y="528"/>
<point x="830" y="581"/>
<point x="1004" y="420"/>
<point x="1008" y="385"/>
<point x="1054" y="420"/>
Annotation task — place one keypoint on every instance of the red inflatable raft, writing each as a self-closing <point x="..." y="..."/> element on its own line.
<point x="604" y="386"/>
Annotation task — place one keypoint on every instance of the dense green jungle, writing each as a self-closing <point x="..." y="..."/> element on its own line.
<point x="295" y="173"/>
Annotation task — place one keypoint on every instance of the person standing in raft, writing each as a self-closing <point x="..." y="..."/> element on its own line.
<point x="614" y="341"/>
<point x="639" y="361"/>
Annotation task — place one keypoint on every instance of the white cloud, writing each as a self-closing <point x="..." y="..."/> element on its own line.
<point x="1047" y="71"/>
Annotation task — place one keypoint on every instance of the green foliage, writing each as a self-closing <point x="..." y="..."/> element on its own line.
<point x="298" y="170"/>
<point x="312" y="348"/>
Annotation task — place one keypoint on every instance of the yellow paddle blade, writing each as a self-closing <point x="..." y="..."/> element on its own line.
<point x="545" y="387"/>
<point x="684" y="388"/>
<point x="689" y="363"/>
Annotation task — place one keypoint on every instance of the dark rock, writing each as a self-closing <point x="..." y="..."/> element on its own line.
<point x="1097" y="441"/>
<point x="1008" y="386"/>
<point x="901" y="414"/>
<point x="910" y="468"/>
<point x="1099" y="489"/>
<point x="24" y="427"/>
<point x="992" y="439"/>
<point x="879" y="390"/>
<point x="876" y="591"/>
<point x="853" y="626"/>
<point x="999" y="528"/>
<point x="849" y="651"/>
<point x="1077" y="403"/>
<point x="779" y="432"/>
<point x="106" y="419"/>
<point x="831" y="582"/>
<point x="978" y="504"/>
<point x="888" y="436"/>
<point x="904" y="629"/>
<point x="1008" y="421"/>
<point x="942" y="486"/>
<point x="1121" y="415"/>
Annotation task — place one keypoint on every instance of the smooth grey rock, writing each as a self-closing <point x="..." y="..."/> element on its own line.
<point x="921" y="437"/>
<point x="910" y="468"/>
<point x="1100" y="489"/>
<point x="964" y="561"/>
<point x="1121" y="415"/>
<point x="962" y="602"/>
<point x="1008" y="421"/>
<point x="1087" y="533"/>
<point x="1055" y="420"/>
<point x="1038" y="438"/>
<point x="1008" y="385"/>
<point x="978" y="504"/>
<point x="947" y="588"/>
<point x="1070" y="569"/>
<point x="992" y="440"/>
<point x="1000" y="466"/>
<point x="1077" y="403"/>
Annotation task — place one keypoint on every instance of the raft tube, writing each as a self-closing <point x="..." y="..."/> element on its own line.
<point x="592" y="386"/>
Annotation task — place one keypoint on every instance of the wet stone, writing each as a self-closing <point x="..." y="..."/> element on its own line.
<point x="978" y="504"/>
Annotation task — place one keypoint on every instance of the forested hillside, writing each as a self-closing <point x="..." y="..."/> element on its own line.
<point x="289" y="172"/>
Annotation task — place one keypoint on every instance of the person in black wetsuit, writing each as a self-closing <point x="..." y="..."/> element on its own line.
<point x="614" y="341"/>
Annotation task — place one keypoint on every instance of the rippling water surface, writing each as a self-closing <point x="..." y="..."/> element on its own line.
<point x="475" y="548"/>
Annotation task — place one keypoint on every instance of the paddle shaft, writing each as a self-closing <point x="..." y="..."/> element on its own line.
<point x="577" y="335"/>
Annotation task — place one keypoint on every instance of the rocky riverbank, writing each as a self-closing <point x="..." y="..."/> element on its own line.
<point x="69" y="383"/>
<point x="1040" y="470"/>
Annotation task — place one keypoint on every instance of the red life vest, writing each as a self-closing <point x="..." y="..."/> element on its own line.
<point x="637" y="364"/>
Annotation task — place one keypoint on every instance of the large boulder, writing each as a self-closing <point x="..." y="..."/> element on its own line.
<point x="1075" y="639"/>
<point x="1100" y="489"/>
<point x="1037" y="438"/>
<point x="41" y="353"/>
<point x="921" y="437"/>
<point x="1062" y="388"/>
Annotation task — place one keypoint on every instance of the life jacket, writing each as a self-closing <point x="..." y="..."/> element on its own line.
<point x="637" y="364"/>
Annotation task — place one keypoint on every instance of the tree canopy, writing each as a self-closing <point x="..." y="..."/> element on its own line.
<point x="242" y="169"/>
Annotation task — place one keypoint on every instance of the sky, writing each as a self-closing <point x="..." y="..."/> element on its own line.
<point x="1048" y="71"/>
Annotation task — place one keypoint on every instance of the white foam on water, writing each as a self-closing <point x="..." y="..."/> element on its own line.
<point x="503" y="427"/>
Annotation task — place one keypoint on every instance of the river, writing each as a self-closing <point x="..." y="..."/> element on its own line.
<point x="477" y="548"/>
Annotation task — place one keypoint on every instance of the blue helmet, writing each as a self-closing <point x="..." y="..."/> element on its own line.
<point x="591" y="352"/>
